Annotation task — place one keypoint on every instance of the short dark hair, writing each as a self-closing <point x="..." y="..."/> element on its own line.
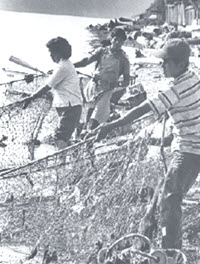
<point x="118" y="32"/>
<point x="60" y="45"/>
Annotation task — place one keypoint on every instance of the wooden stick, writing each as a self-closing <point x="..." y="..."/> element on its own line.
<point x="24" y="64"/>
<point x="162" y="142"/>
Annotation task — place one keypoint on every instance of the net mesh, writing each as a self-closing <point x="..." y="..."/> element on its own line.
<point x="75" y="197"/>
<point x="13" y="90"/>
<point x="19" y="128"/>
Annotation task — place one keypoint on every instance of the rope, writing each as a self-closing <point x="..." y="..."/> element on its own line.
<point x="20" y="80"/>
<point x="5" y="172"/>
<point x="162" y="142"/>
<point x="132" y="235"/>
<point x="43" y="159"/>
<point x="84" y="74"/>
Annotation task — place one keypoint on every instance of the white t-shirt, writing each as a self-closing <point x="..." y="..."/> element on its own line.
<point x="65" y="85"/>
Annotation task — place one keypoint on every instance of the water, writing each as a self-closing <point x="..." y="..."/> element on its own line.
<point x="24" y="35"/>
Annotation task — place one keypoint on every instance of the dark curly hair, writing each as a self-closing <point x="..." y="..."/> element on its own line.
<point x="60" y="45"/>
<point x="118" y="32"/>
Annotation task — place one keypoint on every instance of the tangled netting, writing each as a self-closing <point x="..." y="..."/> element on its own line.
<point x="19" y="128"/>
<point x="75" y="197"/>
<point x="72" y="199"/>
<point x="16" y="88"/>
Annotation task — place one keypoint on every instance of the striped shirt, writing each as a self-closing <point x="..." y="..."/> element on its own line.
<point x="182" y="100"/>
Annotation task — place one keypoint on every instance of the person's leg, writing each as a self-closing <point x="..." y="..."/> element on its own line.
<point x="77" y="111"/>
<point x="69" y="118"/>
<point x="89" y="113"/>
<point x="93" y="124"/>
<point x="60" y="143"/>
<point x="181" y="174"/>
<point x="101" y="112"/>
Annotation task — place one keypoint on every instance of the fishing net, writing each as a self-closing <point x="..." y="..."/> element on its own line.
<point x="61" y="199"/>
<point x="13" y="90"/>
<point x="75" y="197"/>
<point x="67" y="201"/>
<point x="19" y="127"/>
<point x="78" y="196"/>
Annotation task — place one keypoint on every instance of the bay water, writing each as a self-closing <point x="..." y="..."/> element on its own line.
<point x="24" y="35"/>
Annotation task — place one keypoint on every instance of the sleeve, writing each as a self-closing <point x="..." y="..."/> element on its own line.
<point x="164" y="100"/>
<point x="58" y="75"/>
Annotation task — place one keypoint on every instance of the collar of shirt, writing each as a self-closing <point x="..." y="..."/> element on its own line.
<point x="62" y="61"/>
<point x="181" y="76"/>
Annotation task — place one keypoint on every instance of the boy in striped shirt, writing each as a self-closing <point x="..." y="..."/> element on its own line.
<point x="182" y="101"/>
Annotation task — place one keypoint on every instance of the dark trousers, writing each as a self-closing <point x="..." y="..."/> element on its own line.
<point x="92" y="123"/>
<point x="69" y="119"/>
<point x="182" y="173"/>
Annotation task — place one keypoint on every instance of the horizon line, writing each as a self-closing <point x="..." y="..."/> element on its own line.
<point x="59" y="14"/>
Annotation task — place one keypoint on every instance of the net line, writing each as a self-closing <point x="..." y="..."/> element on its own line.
<point x="13" y="90"/>
<point x="72" y="198"/>
<point x="66" y="196"/>
<point x="19" y="128"/>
